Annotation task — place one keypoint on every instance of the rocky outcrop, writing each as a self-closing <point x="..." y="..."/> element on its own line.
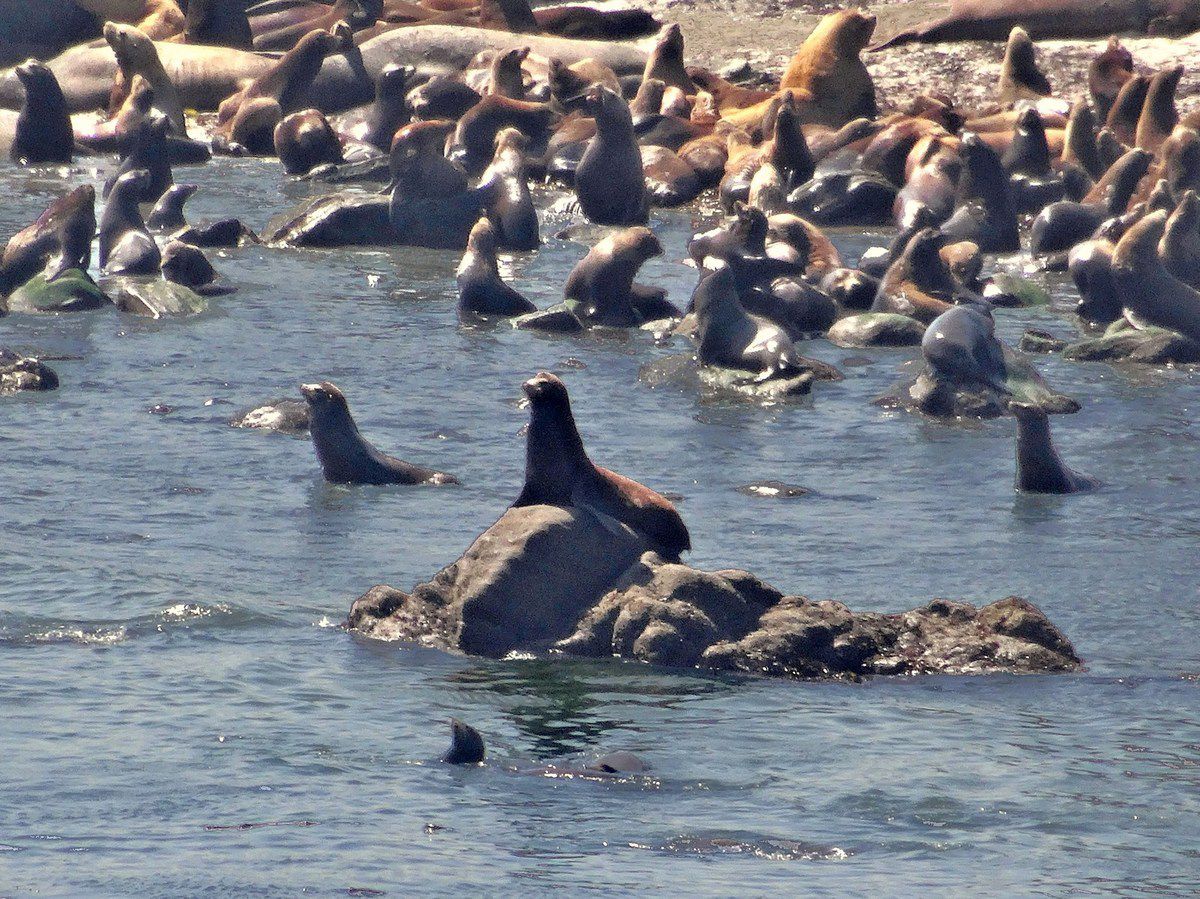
<point x="19" y="372"/>
<point x="544" y="578"/>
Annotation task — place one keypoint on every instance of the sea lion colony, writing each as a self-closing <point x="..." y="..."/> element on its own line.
<point x="428" y="135"/>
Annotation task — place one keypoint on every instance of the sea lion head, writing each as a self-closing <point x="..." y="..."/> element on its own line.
<point x="342" y="35"/>
<point x="36" y="77"/>
<point x="511" y="139"/>
<point x="466" y="745"/>
<point x="750" y="225"/>
<point x="324" y="399"/>
<point x="129" y="44"/>
<point x="641" y="242"/>
<point x="670" y="41"/>
<point x="853" y="30"/>
<point x="131" y="186"/>
<point x="482" y="239"/>
<point x="364" y="13"/>
<point x="187" y="265"/>
<point x="607" y="107"/>
<point x="393" y="80"/>
<point x="546" y="391"/>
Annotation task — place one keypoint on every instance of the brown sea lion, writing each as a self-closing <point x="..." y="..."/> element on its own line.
<point x="305" y="140"/>
<point x="481" y="290"/>
<point x="1179" y="248"/>
<point x="475" y="134"/>
<point x="831" y="82"/>
<point x="918" y="283"/>
<point x="569" y="84"/>
<point x="1127" y="109"/>
<point x="1107" y="74"/>
<point x="157" y="19"/>
<point x="137" y="55"/>
<point x="1150" y="294"/>
<point x="665" y="61"/>
<point x="1158" y="117"/>
<point x="60" y="239"/>
<point x="505" y="76"/>
<point x="602" y="282"/>
<point x="1020" y="77"/>
<point x="1179" y="158"/>
<point x="345" y="455"/>
<point x="1079" y="141"/>
<point x="558" y="472"/>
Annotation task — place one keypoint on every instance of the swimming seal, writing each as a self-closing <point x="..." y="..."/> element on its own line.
<point x="43" y="128"/>
<point x="1039" y="467"/>
<point x="481" y="290"/>
<point x="602" y="282"/>
<point x="558" y="472"/>
<point x="345" y="455"/>
<point x="126" y="247"/>
<point x="466" y="745"/>
<point x="609" y="180"/>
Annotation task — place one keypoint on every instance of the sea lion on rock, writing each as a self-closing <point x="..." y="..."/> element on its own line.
<point x="831" y="82"/>
<point x="665" y="62"/>
<point x="1150" y="294"/>
<point x="59" y="241"/>
<point x="1158" y="117"/>
<point x="136" y="55"/>
<point x="558" y="472"/>
<point x="609" y="180"/>
<point x="474" y="137"/>
<point x="146" y="148"/>
<point x="1020" y="77"/>
<point x="1039" y="467"/>
<point x="305" y="140"/>
<point x="918" y="282"/>
<point x="167" y="214"/>
<point x="466" y="745"/>
<point x="961" y="349"/>
<point x="345" y="455"/>
<point x="126" y="247"/>
<point x="602" y="282"/>
<point x="42" y="131"/>
<point x="481" y="290"/>
<point x="431" y="204"/>
<point x="185" y="264"/>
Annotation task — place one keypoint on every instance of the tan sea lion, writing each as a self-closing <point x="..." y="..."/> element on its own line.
<point x="136" y="55"/>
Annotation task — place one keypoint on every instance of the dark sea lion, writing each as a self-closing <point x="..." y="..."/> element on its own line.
<point x="1090" y="266"/>
<point x="442" y="97"/>
<point x="558" y="472"/>
<point x="1029" y="152"/>
<point x="984" y="212"/>
<point x="345" y="455"/>
<point x="1127" y="109"/>
<point x="992" y="20"/>
<point x="609" y="181"/>
<point x="1151" y="294"/>
<point x="466" y="745"/>
<point x="1107" y="73"/>
<point x="602" y="282"/>
<point x="505" y="76"/>
<point x="389" y="113"/>
<point x="510" y="204"/>
<point x="1020" y="77"/>
<point x="305" y="140"/>
<point x="218" y="23"/>
<point x="126" y="247"/>
<point x="1179" y="156"/>
<point x="1039" y="467"/>
<point x="665" y="62"/>
<point x="1179" y="248"/>
<point x="60" y="240"/>
<point x="136" y="54"/>
<point x="511" y="15"/>
<point x="595" y="23"/>
<point x="1158" y="117"/>
<point x="431" y="204"/>
<point x="42" y="132"/>
<point x="1060" y="226"/>
<point x="960" y="349"/>
<point x="146" y="148"/>
<point x="1079" y="141"/>
<point x="187" y="265"/>
<point x="831" y="82"/>
<point x="167" y="214"/>
<point x="481" y="290"/>
<point x="854" y="197"/>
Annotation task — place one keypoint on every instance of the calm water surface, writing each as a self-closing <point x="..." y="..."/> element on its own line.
<point x="170" y="667"/>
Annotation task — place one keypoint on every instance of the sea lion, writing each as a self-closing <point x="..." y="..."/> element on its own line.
<point x="157" y="19"/>
<point x="558" y="472"/>
<point x="389" y="113"/>
<point x="42" y="131"/>
<point x="1149" y="293"/>
<point x="251" y="130"/>
<point x="1179" y="248"/>
<point x="481" y="290"/>
<point x="1179" y="158"/>
<point x="1020" y="77"/>
<point x="1079" y="141"/>
<point x="1126" y="110"/>
<point x="1090" y="266"/>
<point x="126" y="247"/>
<point x="345" y="455"/>
<point x="146" y="148"/>
<point x="305" y="140"/>
<point x="282" y="33"/>
<point x="918" y="283"/>
<point x="505" y="76"/>
<point x="112" y="135"/>
<point x="984" y="214"/>
<point x="466" y="745"/>
<point x="475" y="134"/>
<point x="60" y="240"/>
<point x="1039" y="467"/>
<point x="136" y="54"/>
<point x="609" y="180"/>
<point x="510" y="205"/>
<point x="1062" y="225"/>
<point x="167" y="214"/>
<point x="431" y="204"/>
<point x="218" y="23"/>
<point x="665" y="62"/>
<point x="832" y="84"/>
<point x="1158" y="117"/>
<point x="602" y="282"/>
<point x="569" y="83"/>
<point x="185" y="264"/>
<point x="595" y="23"/>
<point x="669" y="180"/>
<point x="961" y="350"/>
<point x="1107" y="73"/>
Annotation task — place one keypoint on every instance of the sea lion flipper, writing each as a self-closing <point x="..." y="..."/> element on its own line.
<point x="612" y="525"/>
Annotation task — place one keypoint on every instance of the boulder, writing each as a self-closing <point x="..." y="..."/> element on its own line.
<point x="19" y="372"/>
<point x="1123" y="343"/>
<point x="876" y="329"/>
<point x="72" y="291"/>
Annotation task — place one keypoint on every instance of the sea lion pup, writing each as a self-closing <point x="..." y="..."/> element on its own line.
<point x="831" y="81"/>
<point x="288" y="81"/>
<point x="558" y="472"/>
<point x="1107" y="73"/>
<point x="60" y="240"/>
<point x="136" y="55"/>
<point x="1150" y="294"/>
<point x="1179" y="248"/>
<point x="167" y="214"/>
<point x="1020" y="77"/>
<point x="219" y="23"/>
<point x="602" y="282"/>
<point x="609" y="180"/>
<point x="665" y="62"/>
<point x="983" y="213"/>
<point x="1158" y="117"/>
<point x="305" y="140"/>
<point x="126" y="247"/>
<point x="481" y="290"/>
<point x="1126" y="109"/>
<point x="466" y="745"/>
<point x="345" y="455"/>
<point x="1039" y="467"/>
<point x="42" y="130"/>
<point x="918" y="283"/>
<point x="510" y="204"/>
<point x="145" y="147"/>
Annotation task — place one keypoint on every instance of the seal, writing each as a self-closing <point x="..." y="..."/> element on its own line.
<point x="1149" y="293"/>
<point x="602" y="282"/>
<point x="474" y="138"/>
<point x="305" y="140"/>
<point x="558" y="472"/>
<point x="389" y="113"/>
<point x="481" y="290"/>
<point x="218" y="23"/>
<point x="42" y="132"/>
<point x="1107" y="73"/>
<point x="983" y="213"/>
<point x="1039" y="467"/>
<point x="60" y="240"/>
<point x="1020" y="77"/>
<point x="136" y="55"/>
<point x="126" y="247"/>
<point x="609" y="180"/>
<point x="466" y="745"/>
<point x="1126" y="109"/>
<point x="345" y="455"/>
<point x="187" y="265"/>
<point x="167" y="214"/>
<point x="431" y="204"/>
<point x="918" y="283"/>
<point x="510" y="204"/>
<point x="505" y="76"/>
<point x="1158" y="117"/>
<point x="1079" y="141"/>
<point x="146" y="148"/>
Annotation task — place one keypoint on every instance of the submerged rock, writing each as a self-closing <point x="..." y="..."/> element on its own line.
<point x="877" y="329"/>
<point x="1121" y="342"/>
<point x="155" y="298"/>
<point x="287" y="416"/>
<point x="72" y="291"/>
<point x="544" y="578"/>
<point x="336" y="220"/>
<point x="19" y="372"/>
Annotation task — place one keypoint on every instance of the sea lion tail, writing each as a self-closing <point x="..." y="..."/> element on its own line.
<point x="896" y="40"/>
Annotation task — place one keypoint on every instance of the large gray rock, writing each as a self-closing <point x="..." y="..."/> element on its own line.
<point x="19" y="372"/>
<point x="544" y="577"/>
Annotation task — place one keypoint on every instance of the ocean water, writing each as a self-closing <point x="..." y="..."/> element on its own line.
<point x="182" y="715"/>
